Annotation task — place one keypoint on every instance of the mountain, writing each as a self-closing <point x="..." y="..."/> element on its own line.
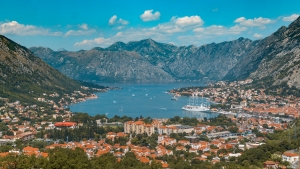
<point x="103" y="65"/>
<point x="276" y="57"/>
<point x="147" y="61"/>
<point x="24" y="76"/>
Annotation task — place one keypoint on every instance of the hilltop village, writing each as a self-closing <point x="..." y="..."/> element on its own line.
<point x="248" y="120"/>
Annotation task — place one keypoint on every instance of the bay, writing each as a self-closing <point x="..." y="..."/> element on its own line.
<point x="140" y="99"/>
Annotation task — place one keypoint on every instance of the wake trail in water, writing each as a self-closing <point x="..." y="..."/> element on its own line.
<point x="162" y="108"/>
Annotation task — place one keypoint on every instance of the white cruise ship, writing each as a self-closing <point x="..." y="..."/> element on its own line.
<point x="194" y="106"/>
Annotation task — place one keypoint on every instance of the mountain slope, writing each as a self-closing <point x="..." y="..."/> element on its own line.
<point x="24" y="76"/>
<point x="276" y="57"/>
<point x="103" y="65"/>
<point x="147" y="60"/>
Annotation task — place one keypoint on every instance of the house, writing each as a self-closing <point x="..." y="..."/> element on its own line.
<point x="270" y="164"/>
<point x="184" y="142"/>
<point x="192" y="150"/>
<point x="168" y="141"/>
<point x="290" y="156"/>
<point x="30" y="151"/>
<point x="25" y="136"/>
<point x="180" y="148"/>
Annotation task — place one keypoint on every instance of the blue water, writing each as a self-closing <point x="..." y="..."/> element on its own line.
<point x="136" y="99"/>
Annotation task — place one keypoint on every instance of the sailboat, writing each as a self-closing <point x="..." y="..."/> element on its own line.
<point x="174" y="98"/>
<point x="193" y="105"/>
<point x="121" y="110"/>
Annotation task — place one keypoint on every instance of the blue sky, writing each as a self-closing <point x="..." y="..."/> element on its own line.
<point x="75" y="25"/>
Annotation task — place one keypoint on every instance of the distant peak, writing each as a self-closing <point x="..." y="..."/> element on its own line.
<point x="97" y="48"/>
<point x="148" y="41"/>
<point x="119" y="43"/>
<point x="61" y="50"/>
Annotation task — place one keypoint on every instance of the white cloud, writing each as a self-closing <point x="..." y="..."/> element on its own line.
<point x="83" y="26"/>
<point x="254" y="22"/>
<point x="188" y="21"/>
<point x="123" y="22"/>
<point x="149" y="16"/>
<point x="16" y="28"/>
<point x="220" y="30"/>
<point x="178" y="24"/>
<point x="84" y="30"/>
<point x="79" y="32"/>
<point x="118" y="24"/>
<point x="97" y="41"/>
<point x="256" y="35"/>
<point x="290" y="18"/>
<point x="112" y="20"/>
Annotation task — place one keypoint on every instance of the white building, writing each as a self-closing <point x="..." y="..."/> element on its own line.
<point x="290" y="157"/>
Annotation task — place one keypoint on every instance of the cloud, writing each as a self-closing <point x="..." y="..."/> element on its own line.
<point x="215" y="10"/>
<point x="117" y="24"/>
<point x="256" y="35"/>
<point x="220" y="30"/>
<point x="290" y="18"/>
<point x="84" y="30"/>
<point x="79" y="32"/>
<point x="188" y="21"/>
<point x="162" y="32"/>
<point x="15" y="28"/>
<point x="112" y="20"/>
<point x="83" y="26"/>
<point x="179" y="24"/>
<point x="149" y="16"/>
<point x="97" y="41"/>
<point x="123" y="22"/>
<point x="254" y="22"/>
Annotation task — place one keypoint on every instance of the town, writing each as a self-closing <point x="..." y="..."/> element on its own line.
<point x="247" y="120"/>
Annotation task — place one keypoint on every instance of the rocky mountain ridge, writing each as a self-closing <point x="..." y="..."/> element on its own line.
<point x="151" y="61"/>
<point x="147" y="61"/>
<point x="276" y="57"/>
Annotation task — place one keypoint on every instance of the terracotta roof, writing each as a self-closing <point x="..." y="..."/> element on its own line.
<point x="270" y="163"/>
<point x="44" y="154"/>
<point x="28" y="149"/>
<point x="165" y="165"/>
<point x="289" y="154"/>
<point x="65" y="124"/>
<point x="144" y="160"/>
<point x="139" y="122"/>
<point x="4" y="154"/>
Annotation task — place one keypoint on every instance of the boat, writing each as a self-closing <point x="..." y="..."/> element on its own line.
<point x="121" y="110"/>
<point x="133" y="94"/>
<point x="174" y="98"/>
<point x="194" y="106"/>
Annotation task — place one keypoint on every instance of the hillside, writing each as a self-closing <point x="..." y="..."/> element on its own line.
<point x="24" y="76"/>
<point x="276" y="58"/>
